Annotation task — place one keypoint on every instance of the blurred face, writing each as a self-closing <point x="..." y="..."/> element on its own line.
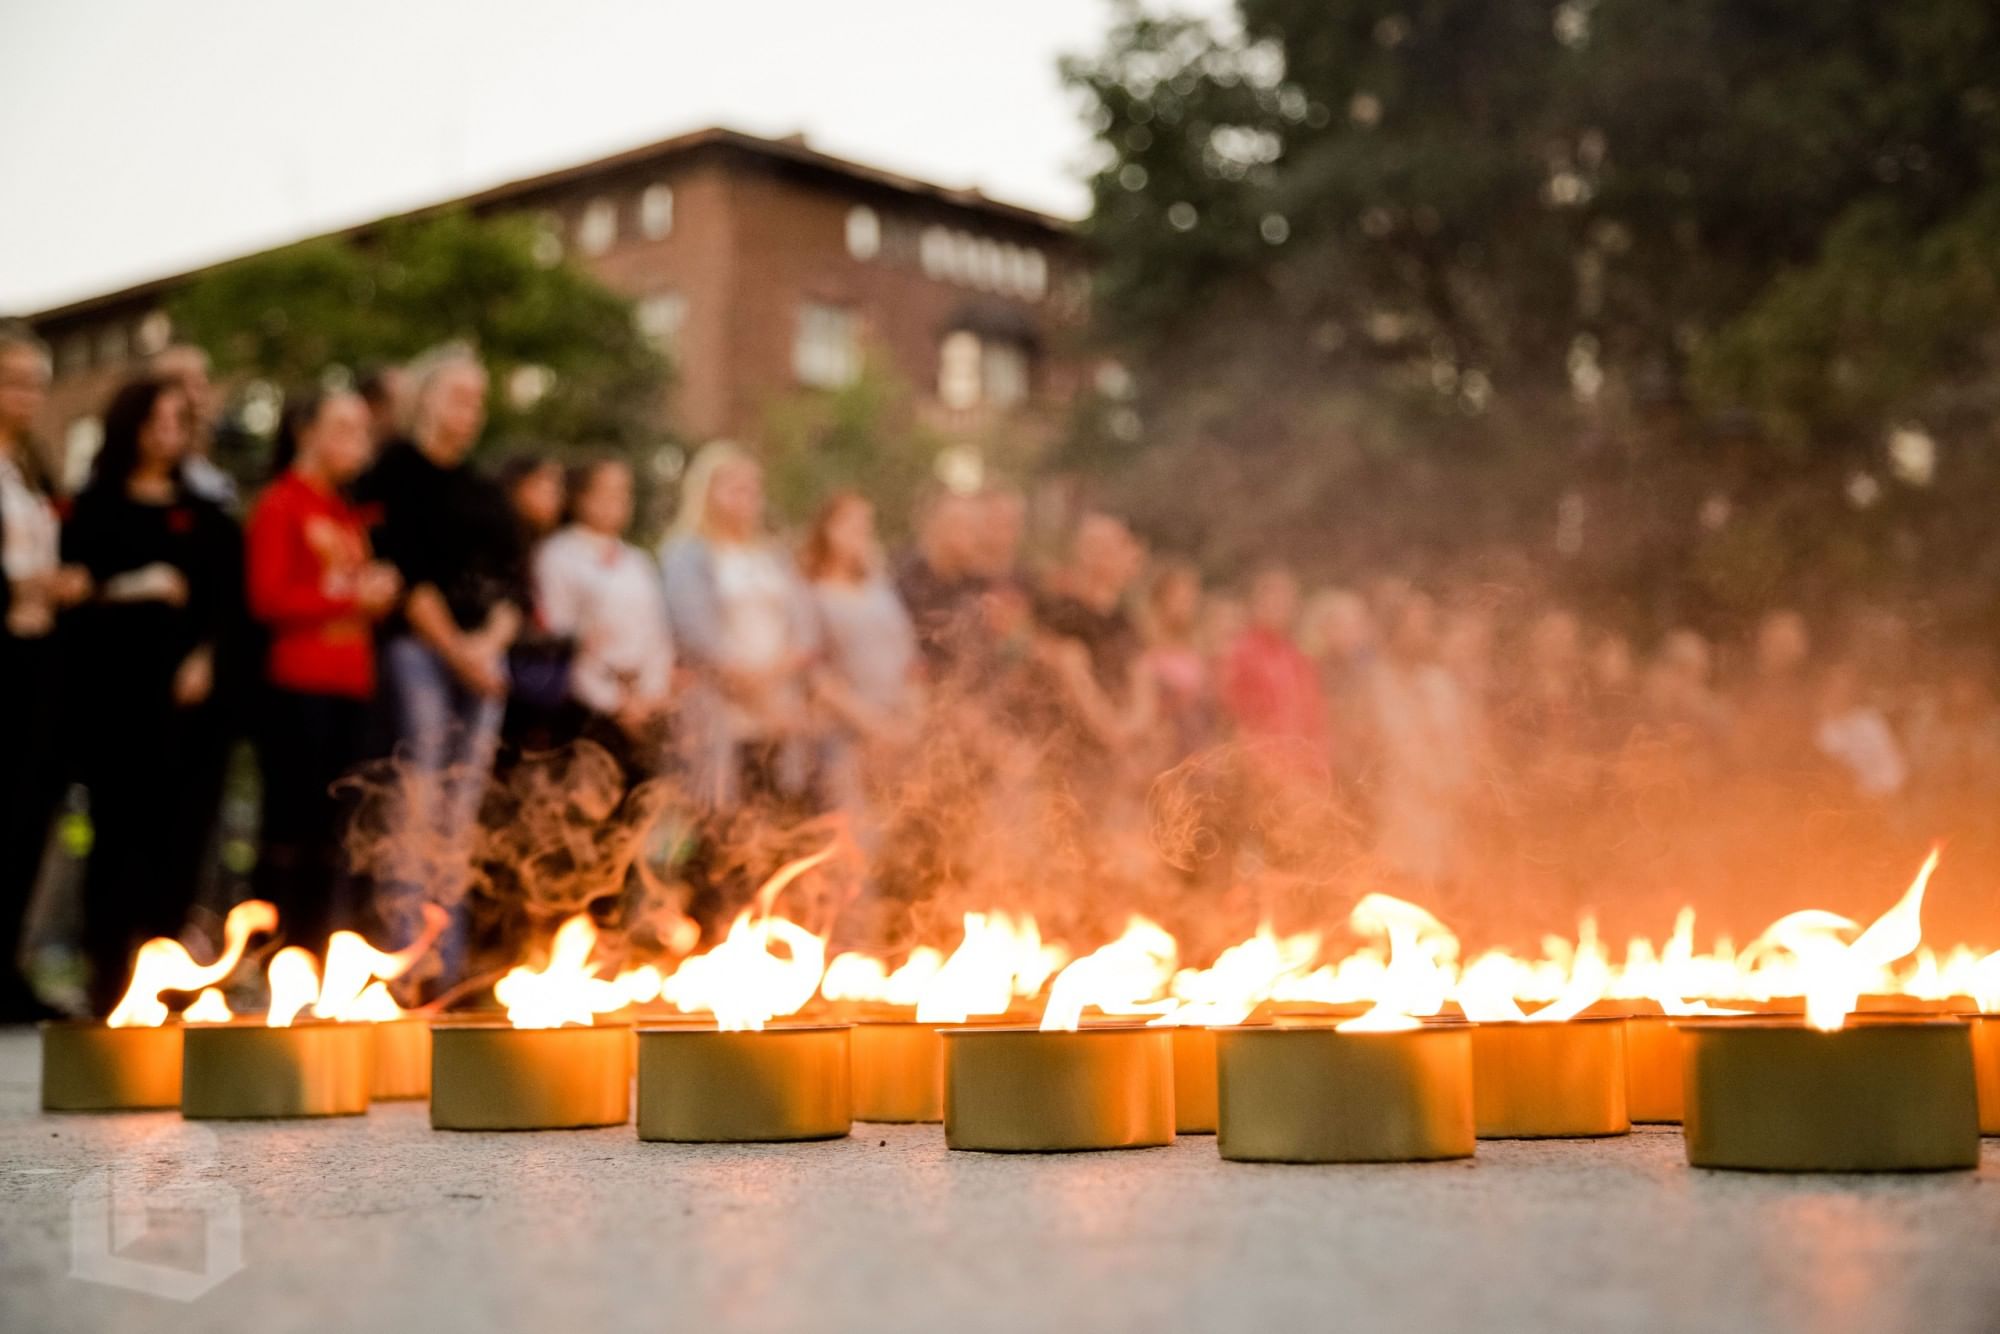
<point x="24" y="388"/>
<point x="1106" y="552"/>
<point x="538" y="498"/>
<point x="454" y="410"/>
<point x="850" y="533"/>
<point x="187" y="367"/>
<point x="163" y="440"/>
<point x="736" y="499"/>
<point x="337" y="443"/>
<point x="952" y="533"/>
<point x="1274" y="601"/>
<point x="605" y="503"/>
<point x="1002" y="518"/>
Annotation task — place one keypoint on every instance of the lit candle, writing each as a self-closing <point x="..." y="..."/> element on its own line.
<point x="1839" y="1091"/>
<point x="740" y="1079"/>
<point x="279" y="1068"/>
<point x="133" y="1059"/>
<point x="1064" y="1087"/>
<point x="551" y="1066"/>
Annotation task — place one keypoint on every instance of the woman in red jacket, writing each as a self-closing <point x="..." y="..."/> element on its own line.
<point x="317" y="592"/>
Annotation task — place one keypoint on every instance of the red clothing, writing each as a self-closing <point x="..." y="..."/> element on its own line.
<point x="1271" y="690"/>
<point x="305" y="547"/>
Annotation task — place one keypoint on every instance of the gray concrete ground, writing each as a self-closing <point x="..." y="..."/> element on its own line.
<point x="379" y="1223"/>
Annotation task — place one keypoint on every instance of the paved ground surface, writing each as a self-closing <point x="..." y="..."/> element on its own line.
<point x="379" y="1223"/>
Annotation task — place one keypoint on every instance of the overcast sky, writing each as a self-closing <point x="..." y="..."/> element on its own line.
<point x="144" y="137"/>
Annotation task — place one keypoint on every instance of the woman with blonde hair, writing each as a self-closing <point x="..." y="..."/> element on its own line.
<point x="744" y="625"/>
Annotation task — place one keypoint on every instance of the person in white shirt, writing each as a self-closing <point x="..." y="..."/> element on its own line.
<point x="604" y="594"/>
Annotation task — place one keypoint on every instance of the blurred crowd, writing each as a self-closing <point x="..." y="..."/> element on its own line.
<point x="1102" y="714"/>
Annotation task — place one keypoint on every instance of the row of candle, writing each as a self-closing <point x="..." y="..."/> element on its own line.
<point x="1885" y="1093"/>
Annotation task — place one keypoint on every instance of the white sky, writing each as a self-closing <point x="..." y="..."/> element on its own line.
<point x="142" y="137"/>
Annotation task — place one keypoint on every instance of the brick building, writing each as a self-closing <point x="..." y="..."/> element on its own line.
<point x="765" y="267"/>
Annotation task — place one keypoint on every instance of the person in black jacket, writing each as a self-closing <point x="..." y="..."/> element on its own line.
<point x="166" y="574"/>
<point x="451" y="536"/>
<point x="35" y="588"/>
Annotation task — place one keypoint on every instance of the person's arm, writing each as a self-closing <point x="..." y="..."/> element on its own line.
<point x="284" y="585"/>
<point x="692" y="614"/>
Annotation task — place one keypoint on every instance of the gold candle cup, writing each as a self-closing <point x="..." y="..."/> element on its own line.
<point x="497" y="1077"/>
<point x="1653" y="1069"/>
<point x="1986" y="1069"/>
<point x="1776" y="1096"/>
<point x="898" y="1071"/>
<point x="402" y="1059"/>
<point x="1020" y="1090"/>
<point x="1317" y="1095"/>
<point x="704" y="1086"/>
<point x="1550" y="1081"/>
<point x="89" y="1067"/>
<point x="1195" y="1097"/>
<point x="247" y="1071"/>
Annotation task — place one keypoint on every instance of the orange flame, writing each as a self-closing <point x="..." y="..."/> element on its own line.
<point x="208" y="1008"/>
<point x="1241" y="977"/>
<point x="741" y="981"/>
<point x="1418" y="979"/>
<point x="1123" y="977"/>
<point x="1833" y="973"/>
<point x="294" y="978"/>
<point x="163" y="965"/>
<point x="564" y="991"/>
<point x="355" y="972"/>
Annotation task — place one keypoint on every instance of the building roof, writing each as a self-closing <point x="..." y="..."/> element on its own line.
<point x="791" y="150"/>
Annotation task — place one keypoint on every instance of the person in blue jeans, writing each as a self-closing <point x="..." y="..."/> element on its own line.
<point x="449" y="532"/>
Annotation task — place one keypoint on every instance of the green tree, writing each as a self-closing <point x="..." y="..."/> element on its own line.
<point x="1417" y="279"/>
<point x="570" y="368"/>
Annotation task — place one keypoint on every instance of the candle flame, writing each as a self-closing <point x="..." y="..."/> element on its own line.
<point x="163" y="965"/>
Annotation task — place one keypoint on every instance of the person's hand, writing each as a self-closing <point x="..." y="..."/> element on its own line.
<point x="158" y="582"/>
<point x="194" y="679"/>
<point x="69" y="585"/>
<point x="377" y="587"/>
<point x="478" y="665"/>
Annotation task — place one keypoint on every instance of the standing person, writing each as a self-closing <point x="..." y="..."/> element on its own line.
<point x="1091" y="647"/>
<point x="214" y="726"/>
<point x="448" y="532"/>
<point x="597" y="591"/>
<point x="942" y="579"/>
<point x="186" y="367"/>
<point x="315" y="589"/>
<point x="165" y="566"/>
<point x="744" y="625"/>
<point x="35" y="588"/>
<point x="1427" y="738"/>
<point x="1174" y="660"/>
<point x="1270" y="687"/>
<point x="541" y="712"/>
<point x="868" y="662"/>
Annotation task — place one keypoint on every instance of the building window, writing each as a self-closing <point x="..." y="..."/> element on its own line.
<point x="934" y="252"/>
<point x="977" y="261"/>
<point x="82" y="438"/>
<point x="656" y="211"/>
<point x="827" y="351"/>
<point x="974" y="370"/>
<point x="660" y="317"/>
<point x="154" y="332"/>
<point x="73" y="354"/>
<point x="548" y="246"/>
<point x="958" y="370"/>
<point x="597" y="232"/>
<point x="111" y="344"/>
<point x="1004" y="372"/>
<point x="864" y="232"/>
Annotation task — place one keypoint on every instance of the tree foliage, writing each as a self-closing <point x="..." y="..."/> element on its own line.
<point x="592" y="380"/>
<point x="1408" y="279"/>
